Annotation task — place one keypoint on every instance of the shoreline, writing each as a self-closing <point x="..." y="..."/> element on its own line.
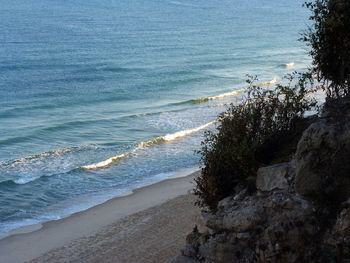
<point x="36" y="226"/>
<point x="35" y="240"/>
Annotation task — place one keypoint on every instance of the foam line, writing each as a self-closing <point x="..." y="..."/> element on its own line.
<point x="266" y="83"/>
<point x="179" y="134"/>
<point x="220" y="96"/>
<point x="107" y="162"/>
<point x="289" y="65"/>
<point x="155" y="141"/>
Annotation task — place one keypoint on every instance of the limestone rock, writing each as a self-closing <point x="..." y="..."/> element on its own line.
<point x="240" y="220"/>
<point x="322" y="160"/>
<point x="201" y="223"/>
<point x="273" y="177"/>
<point x="225" y="203"/>
<point x="314" y="149"/>
<point x="274" y="225"/>
<point x="342" y="226"/>
<point x="240" y="196"/>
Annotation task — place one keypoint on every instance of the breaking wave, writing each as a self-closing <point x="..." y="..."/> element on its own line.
<point x="40" y="156"/>
<point x="270" y="82"/>
<point x="289" y="65"/>
<point x="142" y="145"/>
<point x="220" y="96"/>
<point x="107" y="162"/>
<point x="179" y="134"/>
<point x="216" y="97"/>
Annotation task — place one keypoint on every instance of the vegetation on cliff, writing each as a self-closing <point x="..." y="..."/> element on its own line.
<point x="257" y="130"/>
<point x="248" y="135"/>
<point x="329" y="39"/>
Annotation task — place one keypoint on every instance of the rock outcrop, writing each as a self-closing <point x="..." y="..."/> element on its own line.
<point x="270" y="225"/>
<point x="275" y="177"/>
<point x="323" y="157"/>
<point x="285" y="220"/>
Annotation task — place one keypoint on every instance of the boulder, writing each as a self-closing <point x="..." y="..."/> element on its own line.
<point x="273" y="177"/>
<point x="314" y="152"/>
<point x="200" y="222"/>
<point x="322" y="161"/>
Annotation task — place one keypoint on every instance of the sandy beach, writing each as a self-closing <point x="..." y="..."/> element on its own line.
<point x="148" y="225"/>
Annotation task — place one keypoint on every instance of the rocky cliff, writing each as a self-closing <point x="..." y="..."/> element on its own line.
<point x="300" y="212"/>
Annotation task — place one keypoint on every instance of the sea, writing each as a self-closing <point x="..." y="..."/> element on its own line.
<point x="98" y="98"/>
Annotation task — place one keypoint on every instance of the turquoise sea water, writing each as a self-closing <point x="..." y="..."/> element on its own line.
<point x="101" y="97"/>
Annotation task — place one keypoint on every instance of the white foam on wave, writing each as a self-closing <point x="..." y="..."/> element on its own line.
<point x="270" y="82"/>
<point x="26" y="179"/>
<point x="179" y="134"/>
<point x="38" y="157"/>
<point x="227" y="94"/>
<point x="289" y="65"/>
<point x="220" y="96"/>
<point x="10" y="228"/>
<point x="155" y="141"/>
<point x="31" y="168"/>
<point x="107" y="162"/>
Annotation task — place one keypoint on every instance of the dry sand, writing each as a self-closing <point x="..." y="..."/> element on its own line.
<point x="149" y="225"/>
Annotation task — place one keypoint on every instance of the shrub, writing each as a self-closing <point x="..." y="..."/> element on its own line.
<point x="248" y="135"/>
<point x="329" y="39"/>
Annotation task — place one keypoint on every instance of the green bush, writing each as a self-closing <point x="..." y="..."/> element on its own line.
<point x="248" y="135"/>
<point x="329" y="39"/>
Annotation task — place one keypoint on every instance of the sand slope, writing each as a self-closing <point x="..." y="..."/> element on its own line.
<point x="153" y="235"/>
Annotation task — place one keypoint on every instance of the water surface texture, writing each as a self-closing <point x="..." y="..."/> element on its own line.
<point x="101" y="97"/>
